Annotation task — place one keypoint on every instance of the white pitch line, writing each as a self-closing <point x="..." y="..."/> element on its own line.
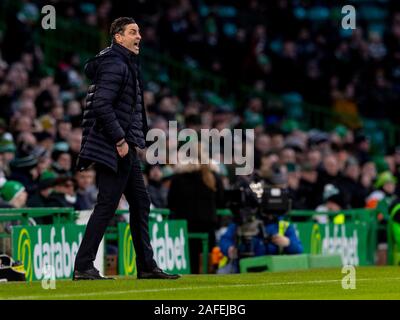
<point x="73" y="295"/>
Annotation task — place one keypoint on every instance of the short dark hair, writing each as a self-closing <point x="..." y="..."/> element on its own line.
<point x="118" y="26"/>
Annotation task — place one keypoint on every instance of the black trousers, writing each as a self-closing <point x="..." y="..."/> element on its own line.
<point x="128" y="181"/>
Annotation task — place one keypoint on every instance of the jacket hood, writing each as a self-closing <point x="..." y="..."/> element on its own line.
<point x="93" y="63"/>
<point x="114" y="50"/>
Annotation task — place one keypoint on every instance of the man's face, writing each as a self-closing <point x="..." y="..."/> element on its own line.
<point x="389" y="187"/>
<point x="64" y="128"/>
<point x="20" y="200"/>
<point x="85" y="179"/>
<point x="315" y="158"/>
<point x="263" y="143"/>
<point x="65" y="161"/>
<point x="74" y="140"/>
<point x="155" y="174"/>
<point x="288" y="155"/>
<point x="333" y="206"/>
<point x="331" y="165"/>
<point x="130" y="37"/>
<point x="66" y="187"/>
<point x="353" y="171"/>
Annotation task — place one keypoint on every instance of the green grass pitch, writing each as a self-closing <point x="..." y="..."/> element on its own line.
<point x="371" y="283"/>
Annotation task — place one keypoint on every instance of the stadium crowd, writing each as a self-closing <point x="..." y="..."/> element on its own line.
<point x="265" y="43"/>
<point x="40" y="113"/>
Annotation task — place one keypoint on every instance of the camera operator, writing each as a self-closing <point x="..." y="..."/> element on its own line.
<point x="259" y="228"/>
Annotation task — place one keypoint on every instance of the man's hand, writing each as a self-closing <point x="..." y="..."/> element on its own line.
<point x="122" y="148"/>
<point x="280" y="241"/>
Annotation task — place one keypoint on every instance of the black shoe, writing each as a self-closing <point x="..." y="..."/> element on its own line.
<point x="91" y="274"/>
<point x="156" y="273"/>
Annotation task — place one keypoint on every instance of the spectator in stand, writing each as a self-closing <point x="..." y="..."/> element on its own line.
<point x="86" y="191"/>
<point x="333" y="200"/>
<point x="64" y="127"/>
<point x="262" y="147"/>
<point x="24" y="169"/>
<point x="41" y="197"/>
<point x="383" y="199"/>
<point x="293" y="174"/>
<point x="61" y="162"/>
<point x="368" y="176"/>
<point x="353" y="190"/>
<point x="328" y="174"/>
<point x="7" y="153"/>
<point x="195" y="193"/>
<point x="287" y="155"/>
<point x="384" y="193"/>
<point x="362" y="148"/>
<point x="74" y="143"/>
<point x="14" y="193"/>
<point x="307" y="186"/>
<point x="267" y="161"/>
<point x="45" y="186"/>
<point x="63" y="194"/>
<point x="157" y="191"/>
<point x="314" y="157"/>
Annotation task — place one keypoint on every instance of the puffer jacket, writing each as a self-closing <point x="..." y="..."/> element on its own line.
<point x="111" y="111"/>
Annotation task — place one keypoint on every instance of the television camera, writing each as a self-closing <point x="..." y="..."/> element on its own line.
<point x="253" y="206"/>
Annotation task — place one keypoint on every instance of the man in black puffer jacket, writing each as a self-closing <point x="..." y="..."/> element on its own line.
<point x="114" y="124"/>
